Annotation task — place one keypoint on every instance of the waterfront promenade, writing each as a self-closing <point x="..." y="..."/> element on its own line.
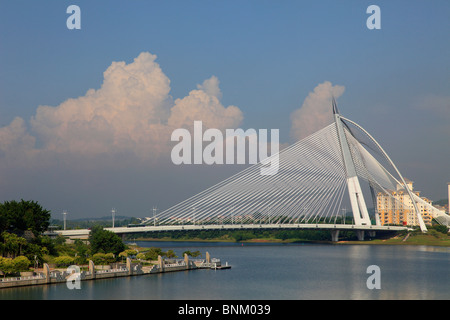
<point x="73" y="273"/>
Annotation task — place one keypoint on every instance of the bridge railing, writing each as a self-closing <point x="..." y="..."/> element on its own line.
<point x="176" y="264"/>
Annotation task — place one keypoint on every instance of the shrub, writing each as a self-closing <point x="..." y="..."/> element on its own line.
<point x="153" y="253"/>
<point x="441" y="229"/>
<point x="6" y="265"/>
<point x="21" y="263"/>
<point x="99" y="259"/>
<point x="140" y="256"/>
<point x="64" y="261"/>
<point x="128" y="253"/>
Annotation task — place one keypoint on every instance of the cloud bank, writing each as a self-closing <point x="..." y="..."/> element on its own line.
<point x="131" y="113"/>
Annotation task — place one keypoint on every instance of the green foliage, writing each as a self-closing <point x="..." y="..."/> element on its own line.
<point x="104" y="241"/>
<point x="441" y="229"/>
<point x="140" y="256"/>
<point x="21" y="263"/>
<point x="34" y="251"/>
<point x="153" y="253"/>
<point x="434" y="233"/>
<point x="49" y="244"/>
<point x="128" y="253"/>
<point x="170" y="254"/>
<point x="17" y="217"/>
<point x="192" y="254"/>
<point x="6" y="265"/>
<point x="81" y="248"/>
<point x="64" y="261"/>
<point x="79" y="260"/>
<point x="103" y="258"/>
<point x="11" y="244"/>
<point x="18" y="264"/>
<point x="243" y="235"/>
<point x="99" y="258"/>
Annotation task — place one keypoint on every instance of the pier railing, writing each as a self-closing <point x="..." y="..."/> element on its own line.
<point x="111" y="270"/>
<point x="36" y="277"/>
<point x="175" y="264"/>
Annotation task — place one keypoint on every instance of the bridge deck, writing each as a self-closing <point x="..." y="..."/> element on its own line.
<point x="126" y="230"/>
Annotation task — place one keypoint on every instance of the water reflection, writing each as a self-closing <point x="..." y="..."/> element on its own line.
<point x="433" y="249"/>
<point x="276" y="271"/>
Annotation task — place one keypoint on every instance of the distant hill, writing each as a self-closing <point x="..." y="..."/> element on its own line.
<point x="441" y="202"/>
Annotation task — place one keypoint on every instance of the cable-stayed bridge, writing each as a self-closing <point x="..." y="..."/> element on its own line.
<point x="316" y="178"/>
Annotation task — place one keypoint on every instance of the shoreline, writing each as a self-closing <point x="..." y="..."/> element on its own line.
<point x="417" y="240"/>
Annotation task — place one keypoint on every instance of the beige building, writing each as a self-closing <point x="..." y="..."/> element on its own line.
<point x="398" y="209"/>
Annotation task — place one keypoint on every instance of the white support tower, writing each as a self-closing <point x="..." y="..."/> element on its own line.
<point x="154" y="216"/>
<point x="422" y="225"/>
<point x="359" y="208"/>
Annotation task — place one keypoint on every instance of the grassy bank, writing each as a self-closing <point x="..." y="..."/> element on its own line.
<point x="432" y="238"/>
<point x="278" y="236"/>
<point x="413" y="239"/>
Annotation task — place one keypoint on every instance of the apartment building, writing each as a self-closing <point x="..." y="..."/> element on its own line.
<point x="397" y="207"/>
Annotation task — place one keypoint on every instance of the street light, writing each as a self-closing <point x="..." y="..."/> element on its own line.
<point x="64" y="214"/>
<point x="113" y="212"/>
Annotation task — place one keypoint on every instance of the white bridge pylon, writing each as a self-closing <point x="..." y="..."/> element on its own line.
<point x="314" y="176"/>
<point x="359" y="208"/>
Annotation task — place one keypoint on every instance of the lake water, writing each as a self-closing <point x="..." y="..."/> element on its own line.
<point x="275" y="271"/>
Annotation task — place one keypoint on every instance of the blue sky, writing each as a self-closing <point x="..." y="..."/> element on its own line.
<point x="267" y="55"/>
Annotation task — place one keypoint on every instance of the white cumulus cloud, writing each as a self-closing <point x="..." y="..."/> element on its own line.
<point x="132" y="112"/>
<point x="204" y="104"/>
<point x="316" y="111"/>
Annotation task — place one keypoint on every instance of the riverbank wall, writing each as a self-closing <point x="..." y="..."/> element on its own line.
<point x="73" y="275"/>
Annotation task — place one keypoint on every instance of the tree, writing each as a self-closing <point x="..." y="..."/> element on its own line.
<point x="192" y="254"/>
<point x="140" y="256"/>
<point x="110" y="257"/>
<point x="153" y="253"/>
<point x="128" y="253"/>
<point x="79" y="260"/>
<point x="124" y="254"/>
<point x="441" y="228"/>
<point x="105" y="241"/>
<point x="171" y="254"/>
<point x="81" y="248"/>
<point x="21" y="263"/>
<point x="64" y="261"/>
<point x="6" y="266"/>
<point x="49" y="244"/>
<point x="35" y="252"/>
<point x="17" y="217"/>
<point x="103" y="258"/>
<point x="12" y="244"/>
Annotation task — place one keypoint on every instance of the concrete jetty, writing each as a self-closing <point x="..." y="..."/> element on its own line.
<point x="73" y="273"/>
